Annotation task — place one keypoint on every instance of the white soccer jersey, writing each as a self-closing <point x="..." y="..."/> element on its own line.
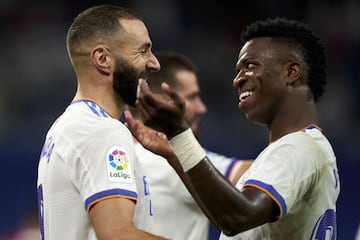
<point x="176" y="214"/>
<point x="299" y="173"/>
<point x="87" y="157"/>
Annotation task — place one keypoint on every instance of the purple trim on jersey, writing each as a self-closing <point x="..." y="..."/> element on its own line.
<point x="311" y="127"/>
<point x="96" y="109"/>
<point x="230" y="167"/>
<point x="269" y="190"/>
<point x="110" y="194"/>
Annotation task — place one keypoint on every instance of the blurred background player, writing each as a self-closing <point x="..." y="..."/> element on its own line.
<point x="176" y="214"/>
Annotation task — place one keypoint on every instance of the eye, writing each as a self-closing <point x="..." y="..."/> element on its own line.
<point x="145" y="51"/>
<point x="250" y="65"/>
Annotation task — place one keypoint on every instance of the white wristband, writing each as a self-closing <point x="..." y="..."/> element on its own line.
<point x="187" y="149"/>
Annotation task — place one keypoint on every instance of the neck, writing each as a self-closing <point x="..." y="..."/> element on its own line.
<point x="292" y="120"/>
<point x="106" y="98"/>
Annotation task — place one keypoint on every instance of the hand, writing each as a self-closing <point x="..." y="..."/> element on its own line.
<point x="160" y="114"/>
<point x="151" y="139"/>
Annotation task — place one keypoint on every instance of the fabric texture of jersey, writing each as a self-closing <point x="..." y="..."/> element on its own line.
<point x="87" y="157"/>
<point x="299" y="173"/>
<point x="176" y="214"/>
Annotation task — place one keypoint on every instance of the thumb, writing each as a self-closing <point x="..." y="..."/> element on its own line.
<point x="130" y="123"/>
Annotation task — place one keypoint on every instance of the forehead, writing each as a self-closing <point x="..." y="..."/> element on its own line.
<point x="186" y="81"/>
<point x="136" y="32"/>
<point x="261" y="47"/>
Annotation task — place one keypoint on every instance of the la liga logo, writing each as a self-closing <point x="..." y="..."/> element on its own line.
<point x="119" y="165"/>
<point x="118" y="159"/>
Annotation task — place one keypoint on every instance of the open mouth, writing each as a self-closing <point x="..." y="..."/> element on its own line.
<point x="245" y="95"/>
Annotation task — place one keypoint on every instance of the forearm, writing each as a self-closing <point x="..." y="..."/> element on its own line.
<point x="105" y="213"/>
<point x="138" y="234"/>
<point x="224" y="205"/>
<point x="130" y="232"/>
<point x="228" y="208"/>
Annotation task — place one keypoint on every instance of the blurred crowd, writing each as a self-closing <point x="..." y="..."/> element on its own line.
<point x="37" y="82"/>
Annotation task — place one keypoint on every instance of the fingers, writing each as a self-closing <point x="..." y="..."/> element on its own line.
<point x="142" y="104"/>
<point x="133" y="125"/>
<point x="128" y="117"/>
<point x="146" y="95"/>
<point x="162" y="136"/>
<point x="174" y="96"/>
<point x="158" y="113"/>
<point x="148" y="102"/>
<point x="130" y="123"/>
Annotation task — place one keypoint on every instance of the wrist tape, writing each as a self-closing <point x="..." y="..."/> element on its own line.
<point x="187" y="149"/>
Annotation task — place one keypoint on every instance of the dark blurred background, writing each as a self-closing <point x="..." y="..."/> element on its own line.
<point x="37" y="83"/>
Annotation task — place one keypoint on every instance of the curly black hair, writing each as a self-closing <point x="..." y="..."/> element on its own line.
<point x="299" y="36"/>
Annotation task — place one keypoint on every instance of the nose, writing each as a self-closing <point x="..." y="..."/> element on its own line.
<point x="153" y="63"/>
<point x="239" y="78"/>
<point x="202" y="107"/>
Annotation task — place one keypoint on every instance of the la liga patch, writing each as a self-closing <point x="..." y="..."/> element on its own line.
<point x="119" y="165"/>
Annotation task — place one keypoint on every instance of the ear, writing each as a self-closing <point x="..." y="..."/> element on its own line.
<point x="293" y="71"/>
<point x="101" y="58"/>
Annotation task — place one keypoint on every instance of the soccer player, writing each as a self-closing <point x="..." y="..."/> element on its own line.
<point x="90" y="183"/>
<point x="176" y="214"/>
<point x="291" y="189"/>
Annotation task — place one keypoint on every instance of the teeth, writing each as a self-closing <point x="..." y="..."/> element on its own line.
<point x="245" y="95"/>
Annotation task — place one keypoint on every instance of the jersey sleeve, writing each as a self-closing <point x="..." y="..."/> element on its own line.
<point x="104" y="168"/>
<point x="284" y="172"/>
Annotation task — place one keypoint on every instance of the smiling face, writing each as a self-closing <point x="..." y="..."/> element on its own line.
<point x="134" y="60"/>
<point x="260" y="80"/>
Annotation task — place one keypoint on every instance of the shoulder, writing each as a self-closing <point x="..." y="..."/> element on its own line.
<point x="80" y="124"/>
<point x="298" y="150"/>
<point x="297" y="141"/>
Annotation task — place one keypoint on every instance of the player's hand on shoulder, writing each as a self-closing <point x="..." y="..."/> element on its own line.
<point x="151" y="139"/>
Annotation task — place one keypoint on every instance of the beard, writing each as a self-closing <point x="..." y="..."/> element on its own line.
<point x="125" y="81"/>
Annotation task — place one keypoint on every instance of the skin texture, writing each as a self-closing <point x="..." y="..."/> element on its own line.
<point x="98" y="76"/>
<point x="275" y="77"/>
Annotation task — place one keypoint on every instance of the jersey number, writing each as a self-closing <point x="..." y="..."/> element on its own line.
<point x="325" y="228"/>
<point x="41" y="210"/>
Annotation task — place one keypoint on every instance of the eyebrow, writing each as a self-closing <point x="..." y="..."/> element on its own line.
<point x="146" y="45"/>
<point x="240" y="62"/>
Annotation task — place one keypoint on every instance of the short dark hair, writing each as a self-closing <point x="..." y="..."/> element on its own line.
<point x="96" y="23"/>
<point x="170" y="63"/>
<point x="299" y="36"/>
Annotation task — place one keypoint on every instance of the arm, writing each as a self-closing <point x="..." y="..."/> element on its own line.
<point x="113" y="219"/>
<point x="230" y="209"/>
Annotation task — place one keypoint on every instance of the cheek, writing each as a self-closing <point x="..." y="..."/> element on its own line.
<point x="189" y="112"/>
<point x="269" y="82"/>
